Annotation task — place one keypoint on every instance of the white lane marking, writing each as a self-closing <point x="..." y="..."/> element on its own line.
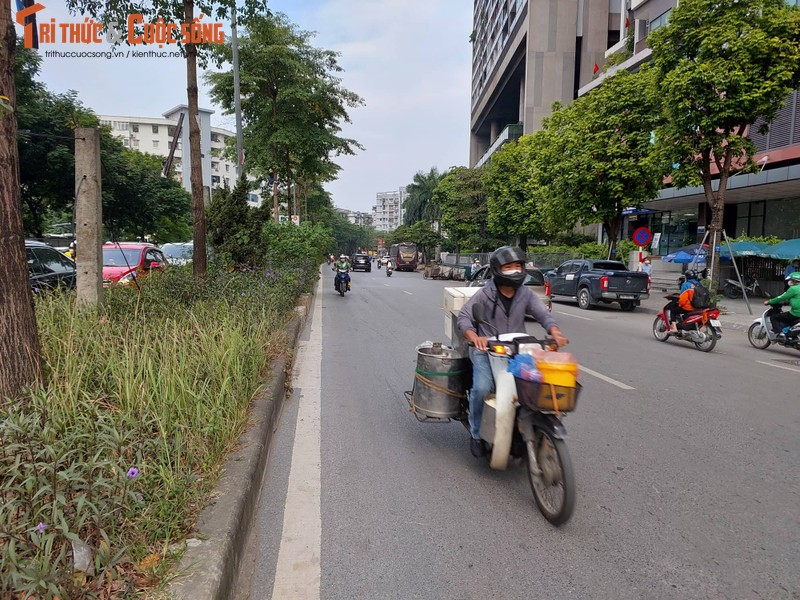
<point x="576" y="316"/>
<point x="297" y="574"/>
<point x="619" y="384"/>
<point x="761" y="362"/>
<point x="386" y="284"/>
<point x="409" y="293"/>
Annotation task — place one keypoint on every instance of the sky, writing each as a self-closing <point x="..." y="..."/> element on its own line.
<point x="408" y="59"/>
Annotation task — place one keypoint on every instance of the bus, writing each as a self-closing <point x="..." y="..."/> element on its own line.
<point x="404" y="256"/>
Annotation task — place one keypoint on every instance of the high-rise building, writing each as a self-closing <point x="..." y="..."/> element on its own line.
<point x="528" y="54"/>
<point x="388" y="212"/>
<point x="154" y="135"/>
<point x="354" y="216"/>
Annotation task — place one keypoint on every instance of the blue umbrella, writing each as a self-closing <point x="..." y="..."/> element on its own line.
<point x="788" y="250"/>
<point x="683" y="257"/>
<point x="743" y="248"/>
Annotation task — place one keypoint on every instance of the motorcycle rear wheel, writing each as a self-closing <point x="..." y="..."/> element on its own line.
<point x="660" y="330"/>
<point x="708" y="345"/>
<point x="758" y="337"/>
<point x="555" y="475"/>
<point x="731" y="291"/>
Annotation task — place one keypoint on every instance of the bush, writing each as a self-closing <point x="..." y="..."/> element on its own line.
<point x="145" y="399"/>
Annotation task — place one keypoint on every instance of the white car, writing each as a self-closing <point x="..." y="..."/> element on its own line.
<point x="178" y="254"/>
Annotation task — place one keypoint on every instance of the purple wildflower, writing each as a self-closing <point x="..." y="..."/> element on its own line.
<point x="133" y="472"/>
<point x="242" y="294"/>
<point x="41" y="527"/>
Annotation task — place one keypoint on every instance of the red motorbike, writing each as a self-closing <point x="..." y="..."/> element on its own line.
<point x="700" y="327"/>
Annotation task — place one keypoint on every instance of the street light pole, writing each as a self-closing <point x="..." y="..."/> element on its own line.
<point x="237" y="101"/>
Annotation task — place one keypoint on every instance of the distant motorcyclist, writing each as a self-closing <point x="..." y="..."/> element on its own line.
<point x="342" y="265"/>
<point x="506" y="302"/>
<point x="792" y="296"/>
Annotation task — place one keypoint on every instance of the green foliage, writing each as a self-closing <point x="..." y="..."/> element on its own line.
<point x="233" y="228"/>
<point x="418" y="204"/>
<point x="160" y="380"/>
<point x="348" y="237"/>
<point x="513" y="198"/>
<point x="572" y="238"/>
<point x="293" y="103"/>
<point x="421" y="233"/>
<point x="461" y="197"/>
<point x="624" y="248"/>
<point x="721" y="65"/>
<point x="763" y="239"/>
<point x="594" y="158"/>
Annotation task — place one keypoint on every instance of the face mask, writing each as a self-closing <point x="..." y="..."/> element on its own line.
<point x="512" y="272"/>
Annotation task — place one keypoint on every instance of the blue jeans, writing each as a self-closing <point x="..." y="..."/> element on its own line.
<point x="482" y="384"/>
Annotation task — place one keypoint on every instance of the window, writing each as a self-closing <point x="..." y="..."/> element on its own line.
<point x="135" y="127"/>
<point x="227" y="168"/>
<point x="135" y="143"/>
<point x="51" y="261"/>
<point x="177" y="163"/>
<point x="214" y="137"/>
<point x="660" y="20"/>
<point x="126" y="142"/>
<point x="215" y="165"/>
<point x="155" y="128"/>
<point x="121" y="125"/>
<point x="155" y="143"/>
<point x="215" y="179"/>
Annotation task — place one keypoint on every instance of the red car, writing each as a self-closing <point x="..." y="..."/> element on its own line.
<point x="123" y="262"/>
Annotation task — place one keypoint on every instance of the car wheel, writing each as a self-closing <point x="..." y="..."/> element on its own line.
<point x="584" y="299"/>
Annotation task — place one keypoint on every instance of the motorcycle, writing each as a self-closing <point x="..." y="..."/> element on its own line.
<point x="388" y="271"/>
<point x="522" y="419"/>
<point x="733" y="289"/>
<point x="700" y="327"/>
<point x="760" y="334"/>
<point x="340" y="281"/>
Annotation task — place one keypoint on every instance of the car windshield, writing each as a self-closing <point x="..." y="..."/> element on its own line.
<point x="121" y="257"/>
<point x="177" y="251"/>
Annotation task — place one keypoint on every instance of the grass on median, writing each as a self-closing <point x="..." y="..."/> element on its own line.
<point x="113" y="459"/>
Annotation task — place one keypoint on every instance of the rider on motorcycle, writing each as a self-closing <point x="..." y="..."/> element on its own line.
<point x="792" y="296"/>
<point x="506" y="303"/>
<point x="344" y="265"/>
<point x="683" y="305"/>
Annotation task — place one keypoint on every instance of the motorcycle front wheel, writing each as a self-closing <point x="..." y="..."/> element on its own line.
<point x="660" y="330"/>
<point x="758" y="337"/>
<point x="734" y="292"/>
<point x="553" y="486"/>
<point x="709" y="343"/>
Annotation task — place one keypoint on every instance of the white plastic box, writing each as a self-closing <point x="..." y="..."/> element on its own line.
<point x="454" y="299"/>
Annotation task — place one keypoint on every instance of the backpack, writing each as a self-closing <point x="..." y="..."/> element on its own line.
<point x="701" y="298"/>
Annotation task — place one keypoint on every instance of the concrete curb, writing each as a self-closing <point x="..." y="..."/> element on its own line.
<point x="210" y="565"/>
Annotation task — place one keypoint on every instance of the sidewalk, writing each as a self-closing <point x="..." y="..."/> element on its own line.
<point x="734" y="314"/>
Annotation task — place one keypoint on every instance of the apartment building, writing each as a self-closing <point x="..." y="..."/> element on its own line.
<point x="354" y="216"/>
<point x="527" y="55"/>
<point x="153" y="135"/>
<point x="388" y="212"/>
<point x="763" y="203"/>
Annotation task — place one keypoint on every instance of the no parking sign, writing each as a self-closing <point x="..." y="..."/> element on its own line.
<point x="642" y="236"/>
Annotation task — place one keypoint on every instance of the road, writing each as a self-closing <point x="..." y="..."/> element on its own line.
<point x="687" y="483"/>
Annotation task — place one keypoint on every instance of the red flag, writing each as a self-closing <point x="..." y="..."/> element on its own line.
<point x="596" y="69"/>
<point x="627" y="22"/>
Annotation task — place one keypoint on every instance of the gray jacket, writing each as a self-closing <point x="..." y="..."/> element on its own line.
<point x="524" y="302"/>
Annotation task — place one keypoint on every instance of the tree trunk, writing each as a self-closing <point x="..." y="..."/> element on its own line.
<point x="198" y="199"/>
<point x="19" y="340"/>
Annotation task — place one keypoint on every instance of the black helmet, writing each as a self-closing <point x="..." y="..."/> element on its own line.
<point x="503" y="256"/>
<point x="691" y="274"/>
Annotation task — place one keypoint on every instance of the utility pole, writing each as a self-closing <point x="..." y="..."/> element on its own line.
<point x="88" y="217"/>
<point x="237" y="101"/>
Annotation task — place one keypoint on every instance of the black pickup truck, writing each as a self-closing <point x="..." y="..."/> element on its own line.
<point x="594" y="281"/>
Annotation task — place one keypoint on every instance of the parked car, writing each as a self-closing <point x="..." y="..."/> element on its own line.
<point x="534" y="281"/>
<point x="363" y="262"/>
<point x="123" y="262"/>
<point x="48" y="268"/>
<point x="178" y="254"/>
<point x="592" y="282"/>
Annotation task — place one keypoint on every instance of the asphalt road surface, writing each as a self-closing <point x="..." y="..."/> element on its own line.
<point x="688" y="483"/>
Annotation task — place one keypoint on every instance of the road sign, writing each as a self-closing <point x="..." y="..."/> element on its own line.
<point x="642" y="236"/>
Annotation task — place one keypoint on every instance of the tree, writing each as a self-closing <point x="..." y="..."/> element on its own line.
<point x="594" y="158"/>
<point x="461" y="196"/>
<point x="292" y="103"/>
<point x="512" y="198"/>
<point x="19" y="340"/>
<point x="418" y="204"/>
<point x="721" y="66"/>
<point x="174" y="11"/>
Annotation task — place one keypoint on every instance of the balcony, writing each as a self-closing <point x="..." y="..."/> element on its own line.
<point x="510" y="133"/>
